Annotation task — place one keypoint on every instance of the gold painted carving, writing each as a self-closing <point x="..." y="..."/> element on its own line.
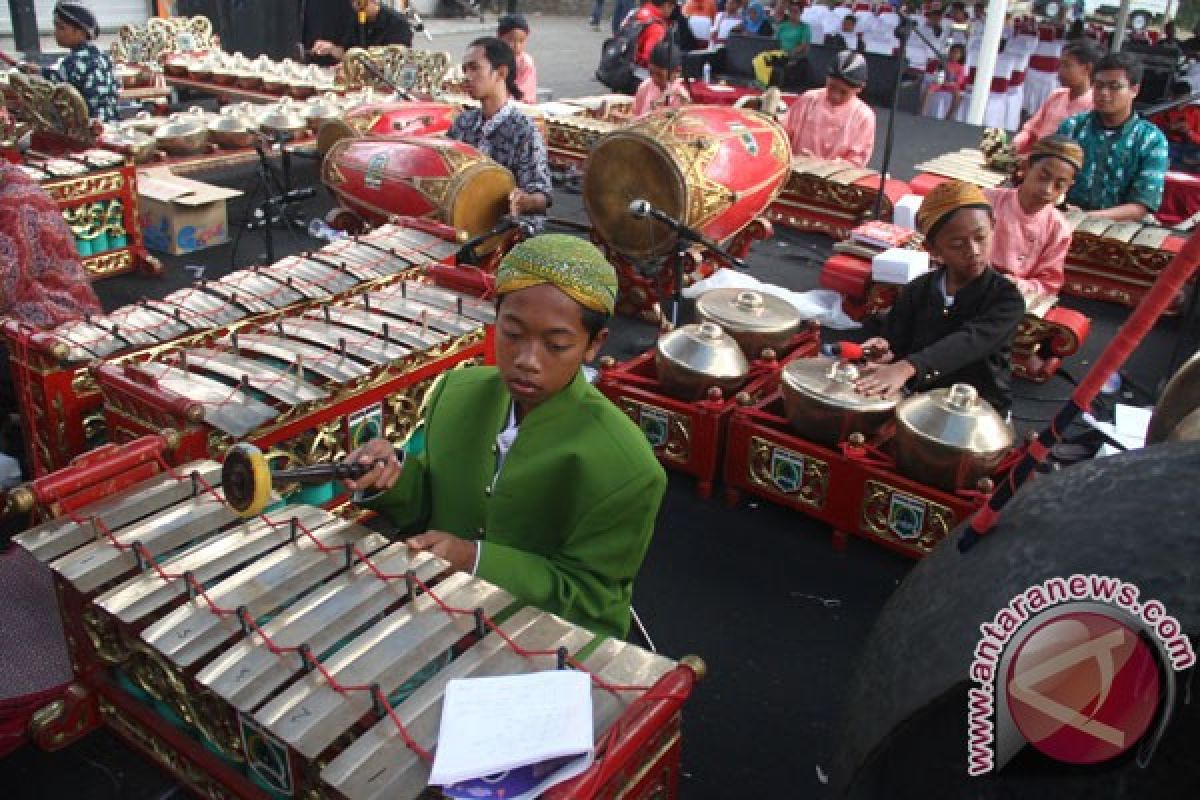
<point x="63" y="192"/>
<point x="53" y="107"/>
<point x="196" y="778"/>
<point x="105" y="638"/>
<point x="195" y="706"/>
<point x="670" y="434"/>
<point x="419" y="71"/>
<point x="879" y="500"/>
<point x="799" y="478"/>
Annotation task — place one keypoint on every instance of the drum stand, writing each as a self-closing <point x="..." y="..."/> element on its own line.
<point x="278" y="196"/>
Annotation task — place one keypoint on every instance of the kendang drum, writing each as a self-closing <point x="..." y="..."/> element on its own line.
<point x="713" y="168"/>
<point x="379" y="177"/>
<point x="393" y="118"/>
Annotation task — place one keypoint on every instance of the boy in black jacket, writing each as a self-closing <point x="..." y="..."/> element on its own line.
<point x="955" y="324"/>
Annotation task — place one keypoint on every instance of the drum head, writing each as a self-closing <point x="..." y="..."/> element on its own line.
<point x="628" y="166"/>
<point x="477" y="200"/>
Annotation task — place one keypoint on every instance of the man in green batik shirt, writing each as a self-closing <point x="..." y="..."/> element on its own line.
<point x="523" y="473"/>
<point x="1125" y="156"/>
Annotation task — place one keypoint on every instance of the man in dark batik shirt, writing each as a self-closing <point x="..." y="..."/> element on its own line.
<point x="85" y="67"/>
<point x="499" y="130"/>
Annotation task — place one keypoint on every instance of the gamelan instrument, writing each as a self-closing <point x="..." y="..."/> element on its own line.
<point x="50" y="374"/>
<point x="247" y="478"/>
<point x="682" y="393"/>
<point x="307" y="386"/>
<point x="710" y="167"/>
<point x="1117" y="261"/>
<point x="378" y="177"/>
<point x="900" y="474"/>
<point x="831" y="197"/>
<point x="570" y="138"/>
<point x="393" y="118"/>
<point x="298" y="654"/>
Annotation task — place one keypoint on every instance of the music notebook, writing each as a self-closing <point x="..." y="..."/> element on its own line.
<point x="513" y="736"/>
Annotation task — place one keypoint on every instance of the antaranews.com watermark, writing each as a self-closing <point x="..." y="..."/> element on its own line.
<point x="1082" y="686"/>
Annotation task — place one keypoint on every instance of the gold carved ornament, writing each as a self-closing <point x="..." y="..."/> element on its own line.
<point x="937" y="522"/>
<point x="197" y="707"/>
<point x="810" y="487"/>
<point x="195" y="777"/>
<point x="421" y="72"/>
<point x="670" y="434"/>
<point x="50" y="107"/>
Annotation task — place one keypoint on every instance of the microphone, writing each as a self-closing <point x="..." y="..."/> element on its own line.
<point x="641" y="209"/>
<point x="466" y="253"/>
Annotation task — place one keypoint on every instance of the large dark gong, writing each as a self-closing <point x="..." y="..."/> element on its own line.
<point x="904" y="731"/>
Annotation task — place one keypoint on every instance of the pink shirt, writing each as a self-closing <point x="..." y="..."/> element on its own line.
<point x="527" y="78"/>
<point x="649" y="97"/>
<point x="1029" y="248"/>
<point x="816" y="128"/>
<point x="1058" y="107"/>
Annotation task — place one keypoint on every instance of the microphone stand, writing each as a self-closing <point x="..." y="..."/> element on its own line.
<point x="906" y="27"/>
<point x="684" y="235"/>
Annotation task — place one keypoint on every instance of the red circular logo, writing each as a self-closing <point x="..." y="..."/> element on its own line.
<point x="1083" y="688"/>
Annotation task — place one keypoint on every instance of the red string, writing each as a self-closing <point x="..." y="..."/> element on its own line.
<point x="312" y="661"/>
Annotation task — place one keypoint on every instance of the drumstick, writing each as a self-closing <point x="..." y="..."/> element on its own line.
<point x="7" y="59"/>
<point x="1164" y="291"/>
<point x="247" y="478"/>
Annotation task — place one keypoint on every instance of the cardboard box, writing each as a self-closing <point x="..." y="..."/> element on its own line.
<point x="180" y="215"/>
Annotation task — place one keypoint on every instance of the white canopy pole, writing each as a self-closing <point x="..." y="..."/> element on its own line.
<point x="1119" y="27"/>
<point x="993" y="29"/>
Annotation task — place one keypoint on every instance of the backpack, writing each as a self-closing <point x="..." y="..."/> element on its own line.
<point x="616" y="58"/>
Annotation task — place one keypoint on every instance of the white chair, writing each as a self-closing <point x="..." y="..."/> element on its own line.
<point x="995" y="113"/>
<point x="883" y="44"/>
<point x="815" y="17"/>
<point x="1016" y="88"/>
<point x="1041" y="78"/>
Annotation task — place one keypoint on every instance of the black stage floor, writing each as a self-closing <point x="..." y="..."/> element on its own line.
<point x="756" y="590"/>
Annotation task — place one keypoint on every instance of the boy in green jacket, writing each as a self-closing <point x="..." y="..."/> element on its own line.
<point x="523" y="473"/>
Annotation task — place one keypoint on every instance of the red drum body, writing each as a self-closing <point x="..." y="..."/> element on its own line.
<point x="714" y="168"/>
<point x="402" y="118"/>
<point x="378" y="177"/>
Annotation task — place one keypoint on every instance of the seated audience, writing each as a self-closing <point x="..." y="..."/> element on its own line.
<point x="953" y="84"/>
<point x="955" y="323"/>
<point x="754" y="21"/>
<point x="789" y="66"/>
<point x="834" y="122"/>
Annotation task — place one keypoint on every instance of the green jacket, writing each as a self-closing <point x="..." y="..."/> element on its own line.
<point x="567" y="524"/>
